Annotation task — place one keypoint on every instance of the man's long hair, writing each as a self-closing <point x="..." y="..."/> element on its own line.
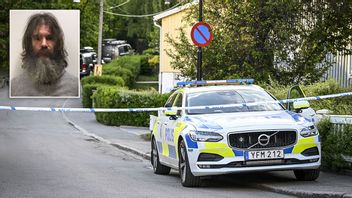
<point x="49" y="20"/>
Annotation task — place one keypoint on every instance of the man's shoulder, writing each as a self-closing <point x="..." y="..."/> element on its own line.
<point x="69" y="85"/>
<point x="21" y="85"/>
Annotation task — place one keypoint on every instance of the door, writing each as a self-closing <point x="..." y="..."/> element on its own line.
<point x="296" y="92"/>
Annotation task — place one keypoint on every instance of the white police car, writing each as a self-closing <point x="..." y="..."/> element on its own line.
<point x="232" y="129"/>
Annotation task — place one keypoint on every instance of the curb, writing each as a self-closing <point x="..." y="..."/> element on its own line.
<point x="304" y="194"/>
<point x="133" y="127"/>
<point x="101" y="139"/>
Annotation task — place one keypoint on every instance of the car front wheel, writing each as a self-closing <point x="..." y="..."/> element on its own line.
<point x="158" y="168"/>
<point x="307" y="175"/>
<point x="187" y="178"/>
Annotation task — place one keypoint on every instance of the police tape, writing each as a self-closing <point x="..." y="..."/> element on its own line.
<point x="93" y="110"/>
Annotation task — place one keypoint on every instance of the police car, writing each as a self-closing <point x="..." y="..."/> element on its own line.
<point x="213" y="130"/>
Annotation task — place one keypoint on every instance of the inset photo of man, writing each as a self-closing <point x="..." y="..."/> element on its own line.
<point x="44" y="53"/>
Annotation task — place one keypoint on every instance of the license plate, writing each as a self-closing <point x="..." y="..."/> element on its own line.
<point x="267" y="154"/>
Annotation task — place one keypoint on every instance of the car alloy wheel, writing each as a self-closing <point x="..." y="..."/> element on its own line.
<point x="187" y="178"/>
<point x="158" y="168"/>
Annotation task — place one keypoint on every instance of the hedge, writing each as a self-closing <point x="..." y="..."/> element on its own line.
<point x="110" y="80"/>
<point x="91" y="83"/>
<point x="341" y="105"/>
<point x="107" y="97"/>
<point x="334" y="145"/>
<point x="127" y="67"/>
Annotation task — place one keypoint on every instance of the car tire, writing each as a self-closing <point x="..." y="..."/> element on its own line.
<point x="187" y="178"/>
<point x="307" y="175"/>
<point x="158" y="168"/>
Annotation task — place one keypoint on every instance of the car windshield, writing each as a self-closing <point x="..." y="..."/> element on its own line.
<point x="228" y="97"/>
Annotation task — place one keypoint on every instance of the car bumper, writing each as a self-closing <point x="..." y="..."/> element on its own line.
<point x="235" y="161"/>
<point x="219" y="171"/>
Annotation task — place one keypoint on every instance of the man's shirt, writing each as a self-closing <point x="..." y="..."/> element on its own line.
<point x="66" y="86"/>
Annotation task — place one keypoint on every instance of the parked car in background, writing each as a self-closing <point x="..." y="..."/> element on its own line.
<point x="112" y="48"/>
<point x="91" y="51"/>
<point x="86" y="64"/>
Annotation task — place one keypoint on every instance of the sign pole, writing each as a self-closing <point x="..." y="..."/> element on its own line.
<point x="199" y="52"/>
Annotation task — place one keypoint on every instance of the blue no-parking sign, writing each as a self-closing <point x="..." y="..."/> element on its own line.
<point x="201" y="34"/>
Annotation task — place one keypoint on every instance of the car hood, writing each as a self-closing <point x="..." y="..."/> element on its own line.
<point x="248" y="120"/>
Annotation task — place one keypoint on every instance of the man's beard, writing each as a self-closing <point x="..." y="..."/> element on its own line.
<point x="44" y="70"/>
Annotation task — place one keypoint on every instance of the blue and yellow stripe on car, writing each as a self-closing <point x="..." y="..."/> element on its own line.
<point x="177" y="131"/>
<point x="219" y="148"/>
<point x="305" y="143"/>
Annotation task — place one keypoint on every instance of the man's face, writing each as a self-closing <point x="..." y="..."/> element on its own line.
<point x="43" y="41"/>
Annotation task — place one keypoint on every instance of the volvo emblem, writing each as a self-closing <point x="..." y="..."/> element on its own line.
<point x="263" y="139"/>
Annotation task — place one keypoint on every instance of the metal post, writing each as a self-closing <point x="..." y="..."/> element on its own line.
<point x="100" y="30"/>
<point x="199" y="52"/>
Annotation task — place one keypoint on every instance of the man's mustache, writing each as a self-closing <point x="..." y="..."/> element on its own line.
<point x="44" y="52"/>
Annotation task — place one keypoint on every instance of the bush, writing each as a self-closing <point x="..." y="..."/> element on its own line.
<point x="150" y="51"/>
<point x="340" y="105"/>
<point x="107" y="97"/>
<point x="110" y="80"/>
<point x="91" y="83"/>
<point x="88" y="91"/>
<point x="334" y="145"/>
<point x="127" y="67"/>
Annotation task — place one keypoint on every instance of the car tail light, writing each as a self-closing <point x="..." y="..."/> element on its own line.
<point x="84" y="66"/>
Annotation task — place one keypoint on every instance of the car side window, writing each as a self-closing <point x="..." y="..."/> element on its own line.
<point x="170" y="101"/>
<point x="178" y="103"/>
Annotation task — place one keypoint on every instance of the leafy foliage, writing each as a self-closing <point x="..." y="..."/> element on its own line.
<point x="127" y="67"/>
<point x="91" y="83"/>
<point x="283" y="40"/>
<point x="339" y="106"/>
<point x="110" y="80"/>
<point x="140" y="32"/>
<point x="107" y="97"/>
<point x="334" y="145"/>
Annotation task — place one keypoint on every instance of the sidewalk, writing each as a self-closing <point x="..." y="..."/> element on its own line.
<point x="124" y="137"/>
<point x="128" y="139"/>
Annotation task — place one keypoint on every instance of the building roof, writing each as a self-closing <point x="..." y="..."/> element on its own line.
<point x="175" y="10"/>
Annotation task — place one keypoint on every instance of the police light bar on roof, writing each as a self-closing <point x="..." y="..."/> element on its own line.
<point x="216" y="82"/>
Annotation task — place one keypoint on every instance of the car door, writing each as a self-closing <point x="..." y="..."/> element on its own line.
<point x="169" y="132"/>
<point x="162" y="130"/>
<point x="296" y="92"/>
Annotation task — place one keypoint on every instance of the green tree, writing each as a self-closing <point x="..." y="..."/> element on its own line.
<point x="139" y="31"/>
<point x="264" y="39"/>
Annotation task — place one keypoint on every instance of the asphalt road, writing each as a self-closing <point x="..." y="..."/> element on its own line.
<point x="41" y="155"/>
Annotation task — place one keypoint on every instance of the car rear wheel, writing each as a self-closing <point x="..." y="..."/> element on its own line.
<point x="187" y="178"/>
<point x="307" y="175"/>
<point x="158" y="168"/>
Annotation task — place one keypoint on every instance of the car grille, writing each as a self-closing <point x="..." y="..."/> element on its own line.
<point x="249" y="140"/>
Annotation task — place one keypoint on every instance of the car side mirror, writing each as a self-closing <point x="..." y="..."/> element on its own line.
<point x="299" y="105"/>
<point x="171" y="112"/>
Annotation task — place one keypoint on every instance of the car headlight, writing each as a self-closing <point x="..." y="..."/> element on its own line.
<point x="204" y="136"/>
<point x="309" y="131"/>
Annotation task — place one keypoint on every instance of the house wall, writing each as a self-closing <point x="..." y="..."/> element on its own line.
<point x="341" y="69"/>
<point x="168" y="76"/>
<point x="170" y="26"/>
